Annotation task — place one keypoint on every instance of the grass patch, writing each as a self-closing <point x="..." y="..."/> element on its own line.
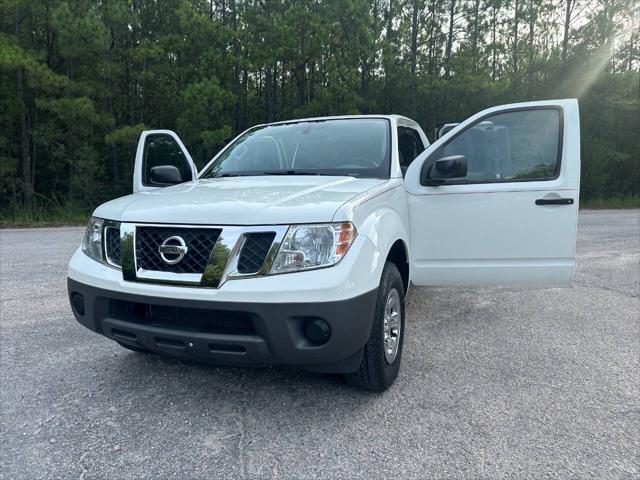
<point x="632" y="201"/>
<point x="17" y="216"/>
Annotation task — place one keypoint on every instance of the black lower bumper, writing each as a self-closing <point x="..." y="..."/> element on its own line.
<point x="232" y="333"/>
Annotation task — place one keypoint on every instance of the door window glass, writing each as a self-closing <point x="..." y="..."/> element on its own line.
<point x="409" y="146"/>
<point x="160" y="149"/>
<point x="520" y="145"/>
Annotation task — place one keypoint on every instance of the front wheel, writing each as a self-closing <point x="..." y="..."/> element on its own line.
<point x="382" y="353"/>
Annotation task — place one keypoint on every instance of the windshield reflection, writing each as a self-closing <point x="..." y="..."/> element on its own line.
<point x="356" y="147"/>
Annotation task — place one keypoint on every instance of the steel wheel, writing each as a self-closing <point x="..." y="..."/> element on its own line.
<point x="392" y="325"/>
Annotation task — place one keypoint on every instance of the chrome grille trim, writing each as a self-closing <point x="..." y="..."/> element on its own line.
<point x="221" y="266"/>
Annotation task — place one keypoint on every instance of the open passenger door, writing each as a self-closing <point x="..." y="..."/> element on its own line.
<point x="495" y="200"/>
<point x="161" y="160"/>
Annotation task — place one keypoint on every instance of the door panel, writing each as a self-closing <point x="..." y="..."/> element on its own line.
<point x="512" y="219"/>
<point x="156" y="148"/>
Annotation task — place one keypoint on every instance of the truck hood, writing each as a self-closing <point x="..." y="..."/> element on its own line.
<point x="262" y="200"/>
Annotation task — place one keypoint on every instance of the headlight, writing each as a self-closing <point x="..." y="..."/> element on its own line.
<point x="306" y="247"/>
<point x="92" y="243"/>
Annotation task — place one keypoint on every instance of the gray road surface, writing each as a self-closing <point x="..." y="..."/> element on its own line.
<point x="494" y="383"/>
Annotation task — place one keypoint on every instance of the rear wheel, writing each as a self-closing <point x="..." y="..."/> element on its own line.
<point x="382" y="354"/>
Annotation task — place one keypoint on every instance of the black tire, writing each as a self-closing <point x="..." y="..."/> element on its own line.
<point x="135" y="349"/>
<point x="375" y="373"/>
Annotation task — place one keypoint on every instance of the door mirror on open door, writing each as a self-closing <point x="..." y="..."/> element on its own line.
<point x="445" y="168"/>
<point x="161" y="160"/>
<point x="162" y="150"/>
<point x="165" y="175"/>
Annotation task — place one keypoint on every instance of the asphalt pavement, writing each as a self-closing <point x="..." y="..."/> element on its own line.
<point x="495" y="383"/>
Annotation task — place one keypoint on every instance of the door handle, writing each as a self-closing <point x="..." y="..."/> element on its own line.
<point x="554" y="201"/>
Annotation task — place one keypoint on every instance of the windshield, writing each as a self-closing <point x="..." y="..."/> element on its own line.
<point x="356" y="147"/>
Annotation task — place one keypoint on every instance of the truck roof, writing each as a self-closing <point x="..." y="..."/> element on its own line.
<point x="398" y="118"/>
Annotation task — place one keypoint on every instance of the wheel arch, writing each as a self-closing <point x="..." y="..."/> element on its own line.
<point x="399" y="255"/>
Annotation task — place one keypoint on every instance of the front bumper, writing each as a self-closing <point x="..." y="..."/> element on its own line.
<point x="233" y="333"/>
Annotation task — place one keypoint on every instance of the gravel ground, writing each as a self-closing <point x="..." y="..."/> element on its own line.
<point x="494" y="383"/>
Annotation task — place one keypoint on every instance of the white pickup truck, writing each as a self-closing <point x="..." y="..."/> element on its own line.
<point x="297" y="243"/>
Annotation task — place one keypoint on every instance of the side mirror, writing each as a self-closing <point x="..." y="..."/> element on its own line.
<point x="166" y="175"/>
<point x="445" y="168"/>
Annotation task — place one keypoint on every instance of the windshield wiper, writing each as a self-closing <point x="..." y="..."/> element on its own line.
<point x="291" y="172"/>
<point x="270" y="172"/>
<point x="227" y="174"/>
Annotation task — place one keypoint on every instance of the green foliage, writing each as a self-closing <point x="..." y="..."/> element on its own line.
<point x="201" y="119"/>
<point x="43" y="213"/>
<point x="81" y="79"/>
<point x="127" y="135"/>
<point x="612" y="202"/>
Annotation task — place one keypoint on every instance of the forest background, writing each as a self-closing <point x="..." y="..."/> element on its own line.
<point x="79" y="80"/>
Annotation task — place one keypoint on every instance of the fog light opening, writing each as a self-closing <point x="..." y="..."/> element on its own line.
<point x="318" y="331"/>
<point x="77" y="300"/>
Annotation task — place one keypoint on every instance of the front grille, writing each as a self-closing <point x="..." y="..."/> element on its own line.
<point x="199" y="242"/>
<point x="112" y="244"/>
<point x="185" y="319"/>
<point x="254" y="251"/>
